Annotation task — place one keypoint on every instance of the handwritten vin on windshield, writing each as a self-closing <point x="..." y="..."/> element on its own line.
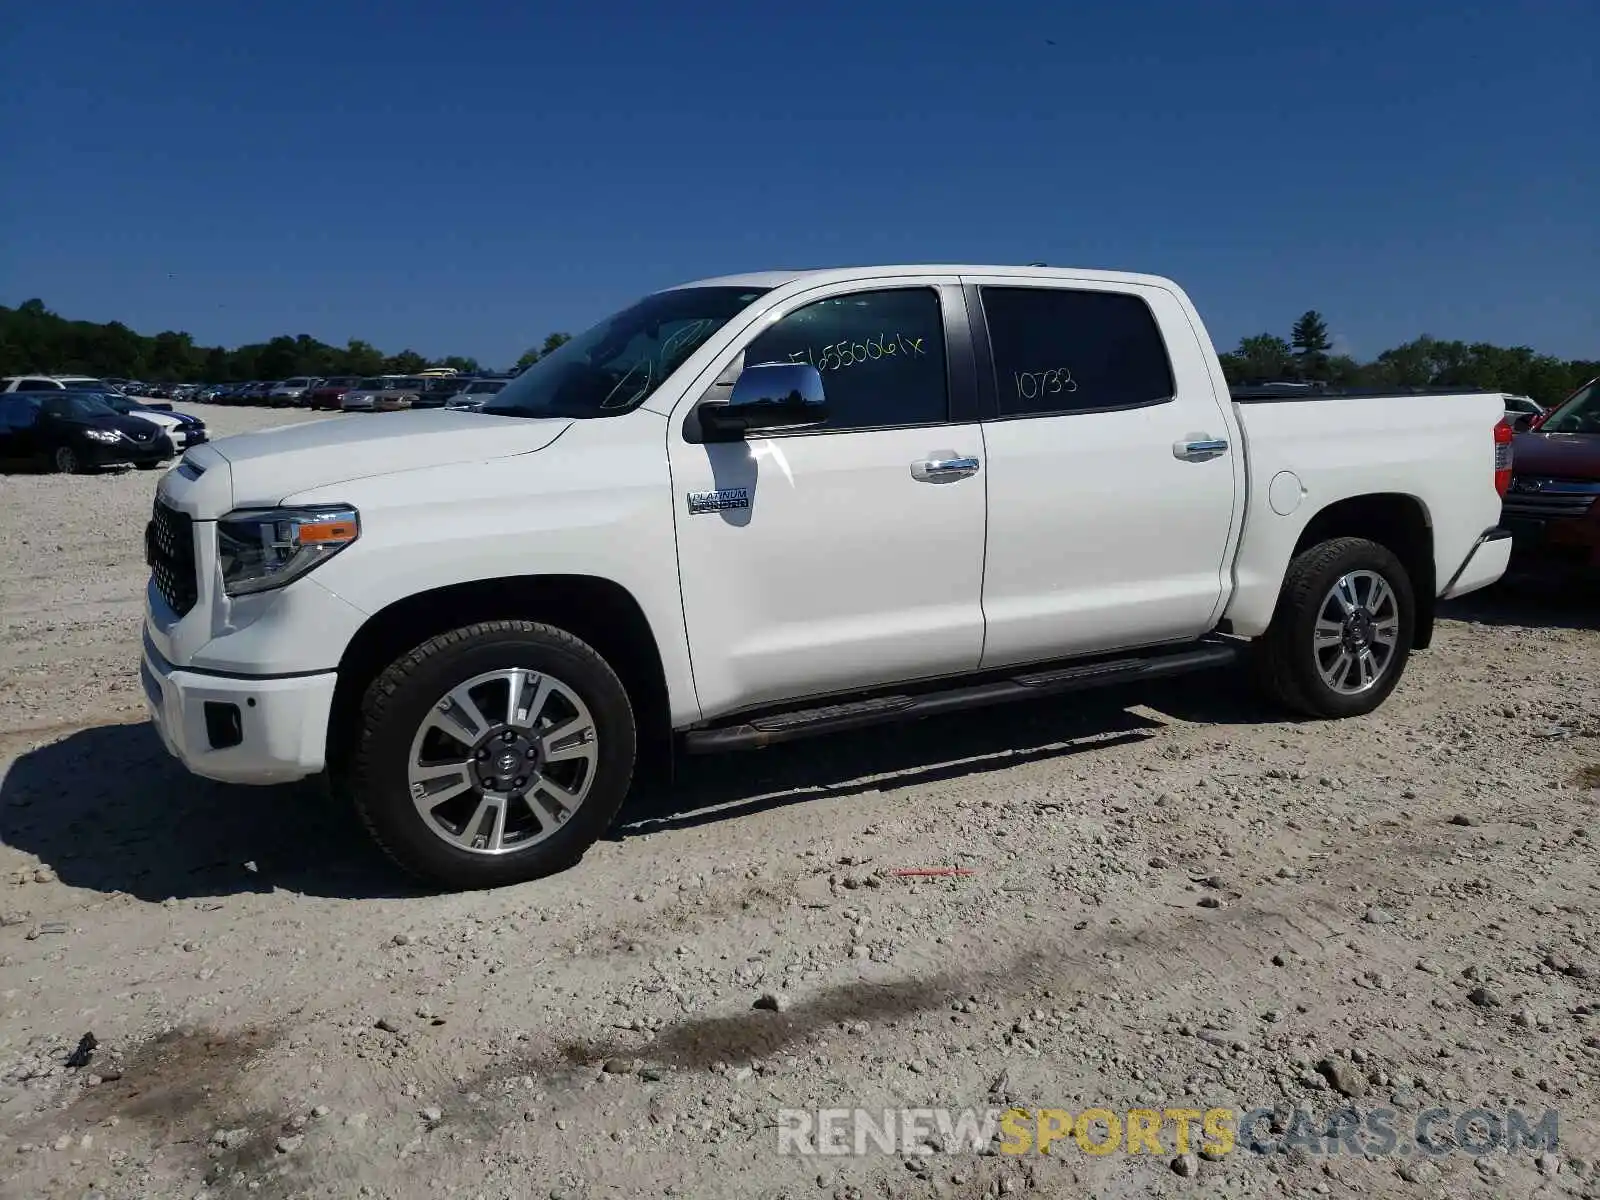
<point x="875" y="349"/>
<point x="1033" y="384"/>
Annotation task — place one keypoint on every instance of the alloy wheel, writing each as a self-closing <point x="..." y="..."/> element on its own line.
<point x="1356" y="632"/>
<point x="502" y="761"/>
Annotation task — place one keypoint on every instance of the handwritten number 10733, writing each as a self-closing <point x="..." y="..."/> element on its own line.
<point x="1033" y="384"/>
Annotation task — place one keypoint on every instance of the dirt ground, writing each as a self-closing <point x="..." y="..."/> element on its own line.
<point x="1176" y="899"/>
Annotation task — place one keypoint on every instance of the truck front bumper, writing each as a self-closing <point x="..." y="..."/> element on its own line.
<point x="238" y="728"/>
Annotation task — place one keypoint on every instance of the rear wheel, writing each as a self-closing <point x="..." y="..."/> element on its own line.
<point x="1342" y="633"/>
<point x="66" y="460"/>
<point x="492" y="754"/>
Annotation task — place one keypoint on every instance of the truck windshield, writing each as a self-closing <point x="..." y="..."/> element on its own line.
<point x="612" y="368"/>
<point x="1580" y="413"/>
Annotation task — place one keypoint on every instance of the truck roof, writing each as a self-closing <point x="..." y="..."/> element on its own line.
<point x="777" y="279"/>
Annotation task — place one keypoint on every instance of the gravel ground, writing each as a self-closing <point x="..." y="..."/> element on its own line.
<point x="1175" y="899"/>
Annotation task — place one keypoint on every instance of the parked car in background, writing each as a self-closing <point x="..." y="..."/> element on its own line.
<point x="382" y="393"/>
<point x="400" y="394"/>
<point x="183" y="429"/>
<point x="73" y="431"/>
<point x="53" y="383"/>
<point x="257" y="393"/>
<point x="328" y="393"/>
<point x="769" y="506"/>
<point x="436" y="391"/>
<point x="1521" y="411"/>
<point x="290" y="392"/>
<point x="476" y="393"/>
<point x="1553" y="505"/>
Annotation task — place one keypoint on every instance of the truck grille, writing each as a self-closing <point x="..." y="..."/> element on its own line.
<point x="1538" y="496"/>
<point x="169" y="549"/>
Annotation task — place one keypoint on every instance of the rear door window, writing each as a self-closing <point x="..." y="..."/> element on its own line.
<point x="1057" y="350"/>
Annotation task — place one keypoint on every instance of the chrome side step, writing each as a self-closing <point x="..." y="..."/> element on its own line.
<point x="772" y="728"/>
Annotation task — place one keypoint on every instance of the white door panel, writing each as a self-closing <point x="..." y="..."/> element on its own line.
<point x="845" y="572"/>
<point x="1099" y="535"/>
<point x="859" y="559"/>
<point x="1108" y="526"/>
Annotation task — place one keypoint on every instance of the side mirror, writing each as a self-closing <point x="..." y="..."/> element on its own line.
<point x="768" y="397"/>
<point x="1538" y="419"/>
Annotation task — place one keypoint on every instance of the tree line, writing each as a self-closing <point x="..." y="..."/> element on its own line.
<point x="35" y="340"/>
<point x="1307" y="357"/>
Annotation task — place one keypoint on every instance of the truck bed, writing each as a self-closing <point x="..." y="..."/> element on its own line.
<point x="1307" y="449"/>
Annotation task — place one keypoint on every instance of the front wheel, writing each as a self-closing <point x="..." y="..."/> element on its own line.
<point x="492" y="754"/>
<point x="66" y="461"/>
<point x="1342" y="632"/>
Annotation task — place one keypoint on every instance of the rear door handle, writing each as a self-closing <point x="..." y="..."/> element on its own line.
<point x="1197" y="448"/>
<point x="944" y="469"/>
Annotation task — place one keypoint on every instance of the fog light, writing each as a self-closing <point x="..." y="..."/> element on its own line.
<point x="224" y="726"/>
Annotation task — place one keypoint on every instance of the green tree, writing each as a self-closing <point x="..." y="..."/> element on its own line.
<point x="171" y="356"/>
<point x="1264" y="358"/>
<point x="361" y="358"/>
<point x="1309" y="337"/>
<point x="407" y="362"/>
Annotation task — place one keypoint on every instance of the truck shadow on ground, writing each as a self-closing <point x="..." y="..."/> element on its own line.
<point x="1530" y="602"/>
<point x="890" y="757"/>
<point x="107" y="809"/>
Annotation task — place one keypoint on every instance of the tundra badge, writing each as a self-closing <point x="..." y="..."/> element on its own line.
<point x="721" y="500"/>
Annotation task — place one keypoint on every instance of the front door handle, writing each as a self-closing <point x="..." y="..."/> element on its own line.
<point x="1199" y="448"/>
<point x="944" y="468"/>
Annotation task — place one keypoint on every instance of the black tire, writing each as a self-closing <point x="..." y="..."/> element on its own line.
<point x="375" y="776"/>
<point x="66" y="461"/>
<point x="1286" y="660"/>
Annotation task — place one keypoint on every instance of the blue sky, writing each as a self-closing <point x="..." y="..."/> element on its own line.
<point x="465" y="177"/>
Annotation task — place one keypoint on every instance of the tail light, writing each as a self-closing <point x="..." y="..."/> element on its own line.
<point x="1502" y="457"/>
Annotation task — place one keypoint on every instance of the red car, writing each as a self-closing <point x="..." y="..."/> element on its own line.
<point x="330" y="392"/>
<point x="1553" y="505"/>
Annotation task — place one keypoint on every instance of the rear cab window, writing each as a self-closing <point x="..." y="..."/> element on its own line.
<point x="1064" y="350"/>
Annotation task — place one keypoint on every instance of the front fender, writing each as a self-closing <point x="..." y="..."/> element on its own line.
<point x="596" y="503"/>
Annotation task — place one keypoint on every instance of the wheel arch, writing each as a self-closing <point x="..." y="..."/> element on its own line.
<point x="1397" y="521"/>
<point x="599" y="611"/>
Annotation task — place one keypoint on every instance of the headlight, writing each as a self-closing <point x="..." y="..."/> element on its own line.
<point x="262" y="549"/>
<point x="102" y="435"/>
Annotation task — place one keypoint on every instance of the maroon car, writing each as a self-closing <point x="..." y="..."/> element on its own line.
<point x="1553" y="505"/>
<point x="329" y="393"/>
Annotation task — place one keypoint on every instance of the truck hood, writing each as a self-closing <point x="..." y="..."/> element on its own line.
<point x="270" y="464"/>
<point x="1558" y="455"/>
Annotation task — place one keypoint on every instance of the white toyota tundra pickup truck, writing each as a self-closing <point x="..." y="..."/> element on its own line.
<point x="767" y="506"/>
